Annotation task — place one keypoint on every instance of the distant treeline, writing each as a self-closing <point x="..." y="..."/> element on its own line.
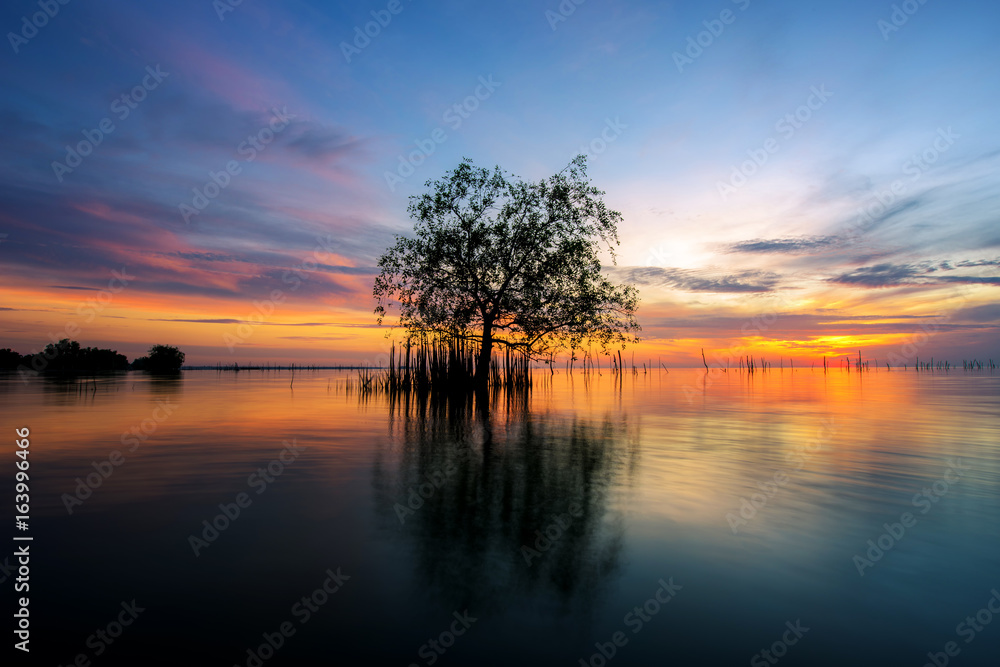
<point x="67" y="356"/>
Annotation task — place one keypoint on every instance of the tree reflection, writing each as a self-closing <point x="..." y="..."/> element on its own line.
<point x="503" y="506"/>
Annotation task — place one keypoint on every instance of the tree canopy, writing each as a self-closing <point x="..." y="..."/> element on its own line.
<point x="65" y="356"/>
<point x="161" y="359"/>
<point x="498" y="260"/>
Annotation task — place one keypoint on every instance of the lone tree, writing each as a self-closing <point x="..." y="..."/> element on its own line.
<point x="500" y="261"/>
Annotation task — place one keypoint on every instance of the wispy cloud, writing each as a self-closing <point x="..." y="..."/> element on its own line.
<point x="925" y="273"/>
<point x="694" y="280"/>
<point x="798" y="245"/>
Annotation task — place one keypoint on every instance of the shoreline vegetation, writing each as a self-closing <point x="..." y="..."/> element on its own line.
<point x="66" y="357"/>
<point x="452" y="365"/>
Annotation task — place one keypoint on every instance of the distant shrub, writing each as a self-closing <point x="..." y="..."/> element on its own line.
<point x="161" y="359"/>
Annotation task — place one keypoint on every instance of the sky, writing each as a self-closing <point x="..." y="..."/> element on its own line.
<point x="797" y="180"/>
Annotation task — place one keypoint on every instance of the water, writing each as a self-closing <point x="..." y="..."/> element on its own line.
<point x="538" y="535"/>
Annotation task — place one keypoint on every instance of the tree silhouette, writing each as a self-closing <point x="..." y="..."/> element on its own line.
<point x="66" y="356"/>
<point x="161" y="359"/>
<point x="501" y="261"/>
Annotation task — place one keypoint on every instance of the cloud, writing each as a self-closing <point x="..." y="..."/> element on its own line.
<point x="321" y="142"/>
<point x="692" y="280"/>
<point x="986" y="313"/>
<point x="971" y="280"/>
<point x="880" y="275"/>
<point x="314" y="338"/>
<point x="895" y="275"/>
<point x="797" y="245"/>
<point x="979" y="262"/>
<point x="235" y="321"/>
<point x="76" y="287"/>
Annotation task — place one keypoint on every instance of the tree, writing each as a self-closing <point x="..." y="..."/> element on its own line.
<point x="506" y="262"/>
<point x="9" y="359"/>
<point x="161" y="359"/>
<point x="67" y="356"/>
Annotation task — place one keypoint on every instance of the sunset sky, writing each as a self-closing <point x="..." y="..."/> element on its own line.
<point x="796" y="179"/>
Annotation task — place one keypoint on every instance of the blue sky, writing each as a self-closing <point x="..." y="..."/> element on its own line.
<point x="911" y="109"/>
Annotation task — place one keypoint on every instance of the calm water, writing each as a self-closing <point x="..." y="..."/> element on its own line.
<point x="537" y="536"/>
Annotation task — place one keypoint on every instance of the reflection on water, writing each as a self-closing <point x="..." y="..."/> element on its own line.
<point x="505" y="505"/>
<point x="433" y="509"/>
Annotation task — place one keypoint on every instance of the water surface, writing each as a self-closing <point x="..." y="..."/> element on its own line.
<point x="699" y="521"/>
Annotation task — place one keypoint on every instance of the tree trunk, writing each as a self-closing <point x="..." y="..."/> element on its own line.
<point x="485" y="356"/>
